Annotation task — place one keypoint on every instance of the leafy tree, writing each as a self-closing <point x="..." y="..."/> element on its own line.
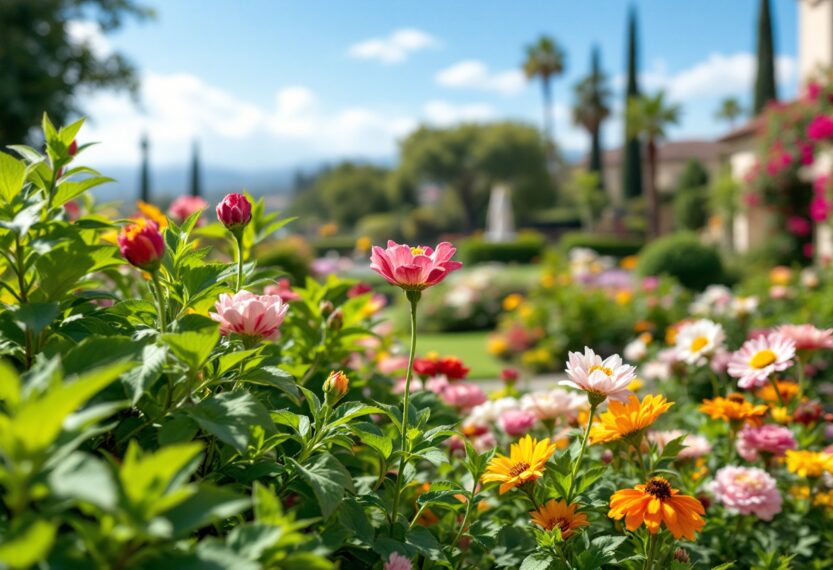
<point x="729" y="111"/>
<point x="545" y="61"/>
<point x="765" y="85"/>
<point x="44" y="67"/>
<point x="591" y="108"/>
<point x="694" y="175"/>
<point x="648" y="117"/>
<point x="632" y="170"/>
<point x="349" y="191"/>
<point x="585" y="190"/>
<point x="468" y="159"/>
<point x="144" y="173"/>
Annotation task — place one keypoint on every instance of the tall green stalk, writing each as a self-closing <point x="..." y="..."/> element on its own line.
<point x="593" y="406"/>
<point x="238" y="238"/>
<point x="413" y="298"/>
<point x="160" y="301"/>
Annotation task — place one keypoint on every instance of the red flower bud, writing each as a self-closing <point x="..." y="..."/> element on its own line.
<point x="336" y="386"/>
<point x="72" y="150"/>
<point x="235" y="211"/>
<point x="509" y="375"/>
<point x="142" y="245"/>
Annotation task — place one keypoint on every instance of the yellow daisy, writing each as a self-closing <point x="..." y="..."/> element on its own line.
<point x="525" y="463"/>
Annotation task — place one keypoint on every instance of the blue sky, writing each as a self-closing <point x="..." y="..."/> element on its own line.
<point x="266" y="84"/>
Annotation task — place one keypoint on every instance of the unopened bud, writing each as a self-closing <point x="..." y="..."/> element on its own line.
<point x="681" y="555"/>
<point x="336" y="386"/>
<point x="336" y="320"/>
<point x="72" y="150"/>
<point x="326" y="308"/>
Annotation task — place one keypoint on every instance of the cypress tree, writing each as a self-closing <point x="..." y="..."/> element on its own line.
<point x="196" y="181"/>
<point x="632" y="163"/>
<point x="144" y="172"/>
<point x="765" y="89"/>
<point x="596" y="164"/>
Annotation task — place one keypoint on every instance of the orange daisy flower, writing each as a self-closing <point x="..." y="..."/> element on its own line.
<point x="525" y="463"/>
<point x="559" y="514"/>
<point x="657" y="502"/>
<point x="787" y="389"/>
<point x="622" y="420"/>
<point x="733" y="408"/>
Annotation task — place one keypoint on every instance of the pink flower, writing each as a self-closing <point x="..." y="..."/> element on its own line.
<point x="554" y="404"/>
<point x="414" y="268"/>
<point x="397" y="562"/>
<point x="807" y="249"/>
<point x="820" y="128"/>
<point x="769" y="439"/>
<point x="183" y="207"/>
<point x="250" y="315"/>
<point x="282" y="289"/>
<point x="807" y="337"/>
<point x="463" y="395"/>
<point x="609" y="378"/>
<point x="806" y="154"/>
<point x="235" y="211"/>
<point x="484" y="442"/>
<point x="437" y="384"/>
<point x="819" y="208"/>
<point x="142" y="245"/>
<point x="517" y="422"/>
<point x="391" y="364"/>
<point x="695" y="445"/>
<point x="799" y="226"/>
<point x="747" y="490"/>
<point x="812" y="91"/>
<point x="358" y="290"/>
<point x="760" y="357"/>
<point x="752" y="199"/>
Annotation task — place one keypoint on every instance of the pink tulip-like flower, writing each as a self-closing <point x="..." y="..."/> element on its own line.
<point x="183" y="207"/>
<point x="142" y="245"/>
<point x="517" y="422"/>
<point x="282" y="289"/>
<point x="760" y="357"/>
<point x="807" y="337"/>
<point x="464" y="395"/>
<point x="607" y="378"/>
<point x="414" y="268"/>
<point x="397" y="562"/>
<point x="748" y="491"/>
<point x="820" y="128"/>
<point x="768" y="439"/>
<point x="249" y="315"/>
<point x="234" y="212"/>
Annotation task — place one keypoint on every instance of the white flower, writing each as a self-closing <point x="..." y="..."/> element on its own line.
<point x="698" y="340"/>
<point x="490" y="411"/>
<point x="656" y="370"/>
<point x="715" y="300"/>
<point x="554" y="404"/>
<point x="609" y="378"/>
<point x="636" y="350"/>
<point x="760" y="357"/>
<point x="743" y="306"/>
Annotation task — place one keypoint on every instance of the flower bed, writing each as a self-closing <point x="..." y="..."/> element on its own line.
<point x="165" y="403"/>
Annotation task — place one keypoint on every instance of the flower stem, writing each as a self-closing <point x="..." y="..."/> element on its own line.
<point x="778" y="392"/>
<point x="238" y="238"/>
<point x="800" y="374"/>
<point x="652" y="551"/>
<point x="413" y="298"/>
<point x="593" y="407"/>
<point x="160" y="301"/>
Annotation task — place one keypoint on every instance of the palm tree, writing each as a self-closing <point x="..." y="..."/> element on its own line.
<point x="590" y="109"/>
<point x="544" y="61"/>
<point x="729" y="111"/>
<point x="648" y="117"/>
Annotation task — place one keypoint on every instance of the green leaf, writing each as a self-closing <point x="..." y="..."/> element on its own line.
<point x="35" y="317"/>
<point x="274" y="377"/>
<point x="329" y="479"/>
<point x="230" y="417"/>
<point x="142" y="378"/>
<point x="267" y="505"/>
<point x="426" y="543"/>
<point x="370" y="435"/>
<point x="84" y="478"/>
<point x="27" y="543"/>
<point x="12" y="176"/>
<point x="70" y="189"/>
<point x="537" y="561"/>
<point x="61" y="268"/>
<point x="207" y="505"/>
<point x="353" y="517"/>
<point x="99" y="350"/>
<point x="352" y="410"/>
<point x="193" y="347"/>
<point x="9" y="384"/>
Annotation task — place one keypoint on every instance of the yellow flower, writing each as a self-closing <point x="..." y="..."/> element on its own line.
<point x="809" y="463"/>
<point x="824" y="499"/>
<point x="512" y="302"/>
<point x="524" y="464"/>
<point x="548" y="281"/>
<point x="153" y="214"/>
<point x="364" y="243"/>
<point x="635" y="385"/>
<point x="780" y="414"/>
<point x="622" y="420"/>
<point x="733" y="408"/>
<point x="526" y="312"/>
<point x="328" y="230"/>
<point x="642" y="326"/>
<point x="629" y="262"/>
<point x="559" y="514"/>
<point x="800" y="491"/>
<point x="780" y="275"/>
<point x="623" y="297"/>
<point x="497" y="346"/>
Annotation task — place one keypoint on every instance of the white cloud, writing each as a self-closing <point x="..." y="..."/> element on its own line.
<point x="89" y="32"/>
<point x="474" y="74"/>
<point x="443" y="113"/>
<point x="395" y="48"/>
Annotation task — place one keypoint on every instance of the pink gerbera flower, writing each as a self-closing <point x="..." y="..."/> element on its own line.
<point x="414" y="268"/>
<point x="249" y="315"/>
<point x="768" y="439"/>
<point x="607" y="378"/>
<point x="748" y="491"/>
<point x="760" y="357"/>
<point x="807" y="337"/>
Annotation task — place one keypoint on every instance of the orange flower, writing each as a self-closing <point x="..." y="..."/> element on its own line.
<point x="733" y="408"/>
<point x="153" y="214"/>
<point x="657" y="502"/>
<point x="525" y="463"/>
<point x="787" y="388"/>
<point x="622" y="420"/>
<point x="559" y="514"/>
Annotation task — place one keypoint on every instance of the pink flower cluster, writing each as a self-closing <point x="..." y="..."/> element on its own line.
<point x="769" y="439"/>
<point x="807" y="337"/>
<point x="747" y="490"/>
<point x="820" y="128"/>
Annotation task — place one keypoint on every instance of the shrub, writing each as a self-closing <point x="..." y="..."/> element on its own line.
<point x="683" y="256"/>
<point x="293" y="255"/>
<point x="690" y="211"/>
<point x="381" y="227"/>
<point x="614" y="246"/>
<point x="343" y="245"/>
<point x="528" y="247"/>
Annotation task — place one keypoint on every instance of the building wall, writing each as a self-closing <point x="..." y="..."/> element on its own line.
<point x="667" y="175"/>
<point x="815" y="36"/>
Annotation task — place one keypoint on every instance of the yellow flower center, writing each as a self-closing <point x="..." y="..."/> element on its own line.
<point x="698" y="343"/>
<point x="518" y="469"/>
<point x="606" y="370"/>
<point x="763" y="358"/>
<point x="417" y="251"/>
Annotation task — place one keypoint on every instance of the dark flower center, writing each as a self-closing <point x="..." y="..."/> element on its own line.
<point x="559" y="522"/>
<point x="659" y="488"/>
<point x="518" y="468"/>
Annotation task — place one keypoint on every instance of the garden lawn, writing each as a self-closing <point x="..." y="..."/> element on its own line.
<point x="470" y="347"/>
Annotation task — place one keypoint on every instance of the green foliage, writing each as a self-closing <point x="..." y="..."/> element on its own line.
<point x="585" y="190"/>
<point x="766" y="88"/>
<point x="683" y="256"/>
<point x="690" y="208"/>
<point x="526" y="248"/>
<point x="694" y="175"/>
<point x="292" y="256"/>
<point x="615" y="246"/>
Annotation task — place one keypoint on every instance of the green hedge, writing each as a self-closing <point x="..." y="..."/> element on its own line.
<point x="683" y="256"/>
<point x="343" y="245"/>
<point x="525" y="249"/>
<point x="615" y="246"/>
